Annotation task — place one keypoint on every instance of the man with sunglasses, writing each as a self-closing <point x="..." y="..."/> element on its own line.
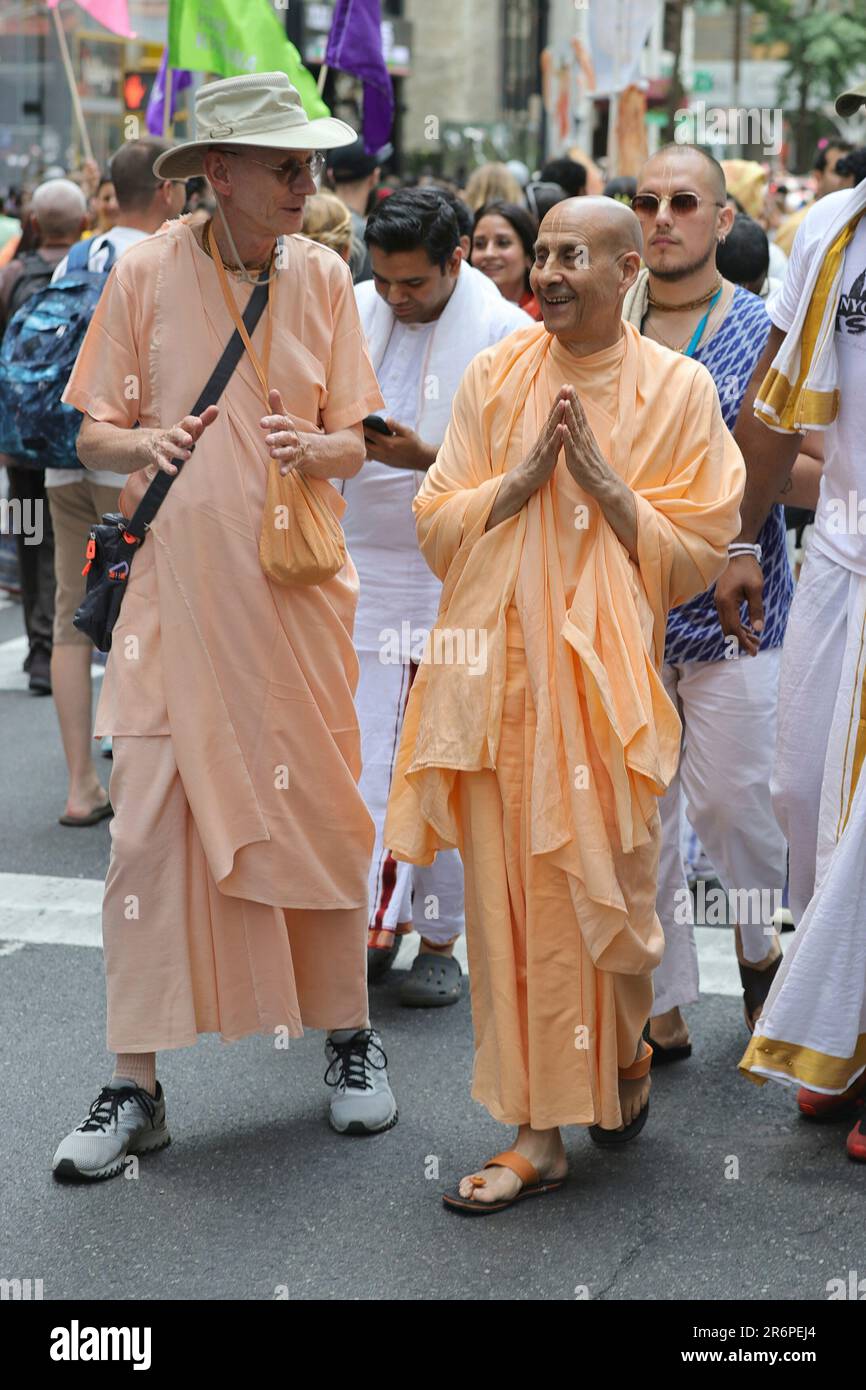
<point x="727" y="706"/>
<point x="236" y="896"/>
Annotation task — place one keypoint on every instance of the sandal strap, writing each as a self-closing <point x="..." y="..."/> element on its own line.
<point x="638" y="1068"/>
<point x="526" y="1171"/>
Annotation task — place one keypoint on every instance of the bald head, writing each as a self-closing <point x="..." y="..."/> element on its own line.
<point x="587" y="257"/>
<point x="597" y="221"/>
<point x="59" y="207"/>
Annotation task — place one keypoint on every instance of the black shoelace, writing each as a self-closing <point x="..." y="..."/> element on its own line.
<point x="353" y="1057"/>
<point x="104" y="1109"/>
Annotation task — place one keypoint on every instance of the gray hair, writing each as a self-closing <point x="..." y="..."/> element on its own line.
<point x="59" y="207"/>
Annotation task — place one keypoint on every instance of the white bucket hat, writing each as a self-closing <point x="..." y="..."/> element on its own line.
<point x="261" y="109"/>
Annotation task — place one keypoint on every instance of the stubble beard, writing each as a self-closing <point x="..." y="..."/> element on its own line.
<point x="684" y="271"/>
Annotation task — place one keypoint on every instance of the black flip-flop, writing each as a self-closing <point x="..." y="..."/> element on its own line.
<point x="612" y="1138"/>
<point x="662" y="1056"/>
<point x="96" y="815"/>
<point x="533" y="1186"/>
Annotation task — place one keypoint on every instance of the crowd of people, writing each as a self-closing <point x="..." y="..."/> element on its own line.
<point x="480" y="561"/>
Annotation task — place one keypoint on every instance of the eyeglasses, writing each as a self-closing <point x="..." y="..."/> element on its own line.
<point x="680" y="204"/>
<point x="289" y="172"/>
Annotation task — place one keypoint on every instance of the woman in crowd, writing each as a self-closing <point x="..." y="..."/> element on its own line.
<point x="502" y="248"/>
<point x="327" y="221"/>
<point x="491" y="183"/>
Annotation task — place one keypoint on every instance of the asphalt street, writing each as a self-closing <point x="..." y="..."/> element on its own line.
<point x="257" y="1198"/>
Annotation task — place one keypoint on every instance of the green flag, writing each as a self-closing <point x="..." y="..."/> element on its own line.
<point x="225" y="37"/>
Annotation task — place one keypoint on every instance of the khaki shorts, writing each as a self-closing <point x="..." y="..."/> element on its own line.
<point x="74" y="509"/>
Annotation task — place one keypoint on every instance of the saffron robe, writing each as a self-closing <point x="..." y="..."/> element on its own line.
<point x="253" y="681"/>
<point x="604" y="736"/>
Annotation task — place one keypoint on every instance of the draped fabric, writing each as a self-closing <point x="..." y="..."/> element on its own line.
<point x="607" y="736"/>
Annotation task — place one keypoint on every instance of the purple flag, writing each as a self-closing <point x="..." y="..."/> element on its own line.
<point x="355" y="46"/>
<point x="180" y="78"/>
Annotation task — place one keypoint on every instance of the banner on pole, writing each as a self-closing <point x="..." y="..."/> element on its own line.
<point x="232" y="39"/>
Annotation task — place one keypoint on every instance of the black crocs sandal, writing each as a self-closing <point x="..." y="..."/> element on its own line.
<point x="756" y="986"/>
<point x="433" y="982"/>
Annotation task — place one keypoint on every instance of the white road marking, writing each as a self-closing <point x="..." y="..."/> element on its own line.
<point x="12" y="654"/>
<point x="54" y="911"/>
<point x="36" y="908"/>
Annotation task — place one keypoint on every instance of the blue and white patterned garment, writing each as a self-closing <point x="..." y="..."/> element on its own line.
<point x="693" y="632"/>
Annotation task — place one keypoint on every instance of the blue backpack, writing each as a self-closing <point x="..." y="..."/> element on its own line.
<point x="37" y="354"/>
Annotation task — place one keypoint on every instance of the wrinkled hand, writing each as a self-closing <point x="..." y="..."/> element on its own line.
<point x="539" y="464"/>
<point x="742" y="582"/>
<point x="284" y="443"/>
<point x="161" y="446"/>
<point x="583" y="458"/>
<point x="403" y="448"/>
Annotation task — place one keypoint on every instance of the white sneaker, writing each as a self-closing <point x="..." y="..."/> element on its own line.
<point x="122" y="1120"/>
<point x="363" y="1102"/>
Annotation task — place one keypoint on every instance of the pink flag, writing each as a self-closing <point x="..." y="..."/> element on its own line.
<point x="114" y="14"/>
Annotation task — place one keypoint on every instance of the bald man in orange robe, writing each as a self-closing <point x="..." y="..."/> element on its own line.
<point x="586" y="485"/>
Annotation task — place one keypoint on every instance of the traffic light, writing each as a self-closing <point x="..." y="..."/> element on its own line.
<point x="137" y="88"/>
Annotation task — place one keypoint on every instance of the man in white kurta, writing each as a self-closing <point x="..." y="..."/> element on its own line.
<point x="812" y="1032"/>
<point x="426" y="313"/>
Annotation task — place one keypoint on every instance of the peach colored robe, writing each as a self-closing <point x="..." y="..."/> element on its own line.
<point x="253" y="681"/>
<point x="601" y="735"/>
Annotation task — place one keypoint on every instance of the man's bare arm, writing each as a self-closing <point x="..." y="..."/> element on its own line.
<point x="769" y="456"/>
<point x="804" y="483"/>
<point x="121" y="450"/>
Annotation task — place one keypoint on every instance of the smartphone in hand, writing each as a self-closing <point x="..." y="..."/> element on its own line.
<point x="375" y="422"/>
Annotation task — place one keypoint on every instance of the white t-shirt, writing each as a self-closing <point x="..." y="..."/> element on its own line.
<point x="843" y="480"/>
<point x="396" y="584"/>
<point x="121" y="239"/>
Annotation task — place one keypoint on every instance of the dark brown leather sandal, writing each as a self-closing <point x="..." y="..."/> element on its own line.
<point x="533" y="1186"/>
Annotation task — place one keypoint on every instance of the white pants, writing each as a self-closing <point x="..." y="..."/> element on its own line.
<point x="728" y="709"/>
<point x="430" y="897"/>
<point x="812" y="1031"/>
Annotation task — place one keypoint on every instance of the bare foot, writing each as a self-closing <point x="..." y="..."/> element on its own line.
<point x="633" y="1095"/>
<point x="85" y="798"/>
<point x="669" y="1029"/>
<point x="543" y="1148"/>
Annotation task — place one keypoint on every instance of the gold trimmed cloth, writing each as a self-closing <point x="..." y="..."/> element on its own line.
<point x="801" y="390"/>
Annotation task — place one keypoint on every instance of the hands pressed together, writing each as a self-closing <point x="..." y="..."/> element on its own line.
<point x="567" y="427"/>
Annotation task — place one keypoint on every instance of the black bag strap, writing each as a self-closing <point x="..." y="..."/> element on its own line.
<point x="217" y="383"/>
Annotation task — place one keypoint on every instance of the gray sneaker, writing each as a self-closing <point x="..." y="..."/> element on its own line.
<point x="363" y="1102"/>
<point x="122" y="1120"/>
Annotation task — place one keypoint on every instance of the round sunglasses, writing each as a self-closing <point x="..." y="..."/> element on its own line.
<point x="680" y="204"/>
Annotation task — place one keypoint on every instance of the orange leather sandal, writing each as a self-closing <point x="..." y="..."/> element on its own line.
<point x="533" y="1186"/>
<point x="610" y="1138"/>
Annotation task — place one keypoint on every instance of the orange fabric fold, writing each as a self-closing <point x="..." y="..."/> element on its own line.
<point x="607" y="740"/>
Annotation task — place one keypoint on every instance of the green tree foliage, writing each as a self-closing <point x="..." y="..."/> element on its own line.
<point x="826" y="45"/>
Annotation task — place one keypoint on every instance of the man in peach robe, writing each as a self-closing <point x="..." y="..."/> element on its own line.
<point x="586" y="484"/>
<point x="236" y="896"/>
